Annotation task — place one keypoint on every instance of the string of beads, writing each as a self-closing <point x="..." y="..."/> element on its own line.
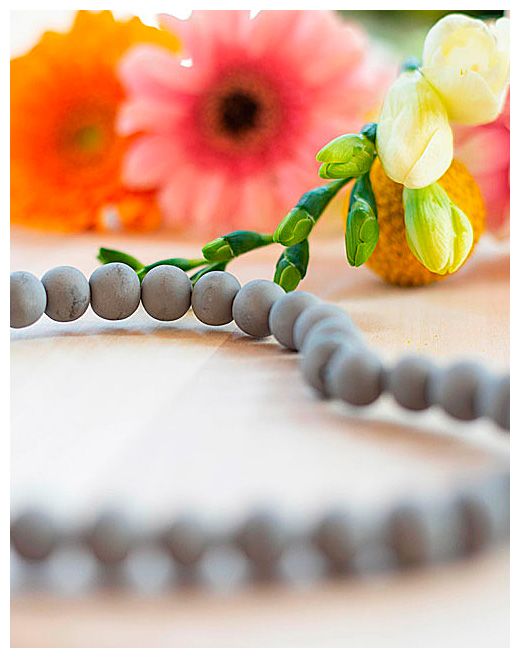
<point x="335" y="359"/>
<point x="337" y="363"/>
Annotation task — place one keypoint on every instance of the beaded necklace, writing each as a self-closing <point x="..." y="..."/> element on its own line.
<point x="336" y="363"/>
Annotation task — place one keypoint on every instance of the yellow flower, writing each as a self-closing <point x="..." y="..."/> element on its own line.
<point x="414" y="138"/>
<point x="438" y="233"/>
<point x="467" y="61"/>
<point x="392" y="258"/>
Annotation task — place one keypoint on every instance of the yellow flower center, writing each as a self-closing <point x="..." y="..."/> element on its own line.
<point x="86" y="135"/>
<point x="89" y="138"/>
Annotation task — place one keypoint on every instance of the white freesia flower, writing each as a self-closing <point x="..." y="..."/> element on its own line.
<point x="467" y="61"/>
<point x="414" y="138"/>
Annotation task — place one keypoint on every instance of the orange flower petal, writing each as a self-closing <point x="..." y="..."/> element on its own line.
<point x="65" y="154"/>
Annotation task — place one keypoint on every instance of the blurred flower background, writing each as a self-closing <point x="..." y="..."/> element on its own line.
<point x="211" y="123"/>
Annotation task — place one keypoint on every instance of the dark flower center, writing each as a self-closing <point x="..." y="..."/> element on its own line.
<point x="239" y="113"/>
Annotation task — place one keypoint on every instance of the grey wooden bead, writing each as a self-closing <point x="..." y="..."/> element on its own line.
<point x="483" y="509"/>
<point x="354" y="375"/>
<point x="498" y="407"/>
<point x="262" y="539"/>
<point x="317" y="355"/>
<point x="109" y="539"/>
<point x="335" y="538"/>
<point x="476" y="522"/>
<point x="28" y="299"/>
<point x="310" y="317"/>
<point x="213" y="296"/>
<point x="115" y="291"/>
<point x="68" y="293"/>
<point x="426" y="529"/>
<point x="186" y="541"/>
<point x="166" y="293"/>
<point x="407" y="536"/>
<point x="409" y="381"/>
<point x="339" y="324"/>
<point x="457" y="389"/>
<point x="253" y="304"/>
<point x="284" y="314"/>
<point x="33" y="535"/>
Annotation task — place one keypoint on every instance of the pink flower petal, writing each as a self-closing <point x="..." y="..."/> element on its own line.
<point x="155" y="72"/>
<point x="205" y="28"/>
<point x="149" y="162"/>
<point x="146" y="115"/>
<point x="312" y="77"/>
<point x="269" y="35"/>
<point x="495" y="190"/>
<point x="485" y="150"/>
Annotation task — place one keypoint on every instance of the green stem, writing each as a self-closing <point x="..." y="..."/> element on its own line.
<point x="297" y="225"/>
<point x="291" y="266"/>
<point x="315" y="201"/>
<point x="212" y="267"/>
<point x="185" y="264"/>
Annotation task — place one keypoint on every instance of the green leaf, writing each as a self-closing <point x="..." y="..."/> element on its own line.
<point x="113" y="256"/>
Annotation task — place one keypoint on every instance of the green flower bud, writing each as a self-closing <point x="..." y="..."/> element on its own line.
<point x="341" y="170"/>
<point x="299" y="222"/>
<point x="218" y="249"/>
<point x="291" y="267"/>
<point x="346" y="147"/>
<point x="346" y="156"/>
<point x="362" y="229"/>
<point x="362" y="233"/>
<point x="234" y="244"/>
<point x="438" y="233"/>
<point x="294" y="227"/>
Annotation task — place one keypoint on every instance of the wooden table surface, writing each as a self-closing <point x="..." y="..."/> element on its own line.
<point x="158" y="418"/>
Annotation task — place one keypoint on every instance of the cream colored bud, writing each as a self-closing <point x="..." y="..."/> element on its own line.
<point x="467" y="61"/>
<point x="414" y="138"/>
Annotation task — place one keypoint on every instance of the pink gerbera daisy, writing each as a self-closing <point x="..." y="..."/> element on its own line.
<point x="485" y="151"/>
<point x="229" y="129"/>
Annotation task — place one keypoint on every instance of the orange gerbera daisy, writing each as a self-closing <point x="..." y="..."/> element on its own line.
<point x="65" y="155"/>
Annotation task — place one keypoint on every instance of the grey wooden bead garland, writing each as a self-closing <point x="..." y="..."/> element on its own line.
<point x="413" y="533"/>
<point x="335" y="361"/>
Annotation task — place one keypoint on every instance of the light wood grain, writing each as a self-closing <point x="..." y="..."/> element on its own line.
<point x="157" y="418"/>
